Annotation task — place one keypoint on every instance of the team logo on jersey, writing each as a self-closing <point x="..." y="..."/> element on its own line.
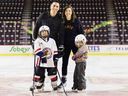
<point x="48" y="52"/>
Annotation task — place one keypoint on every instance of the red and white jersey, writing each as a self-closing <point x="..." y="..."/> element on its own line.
<point x="50" y="46"/>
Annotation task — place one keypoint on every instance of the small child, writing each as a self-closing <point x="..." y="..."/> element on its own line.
<point x="44" y="49"/>
<point x="80" y="59"/>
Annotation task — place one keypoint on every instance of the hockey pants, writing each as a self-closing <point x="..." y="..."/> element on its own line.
<point x="40" y="75"/>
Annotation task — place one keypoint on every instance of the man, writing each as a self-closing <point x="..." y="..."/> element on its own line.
<point x="55" y="22"/>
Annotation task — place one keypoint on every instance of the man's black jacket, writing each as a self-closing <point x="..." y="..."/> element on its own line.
<point x="55" y="24"/>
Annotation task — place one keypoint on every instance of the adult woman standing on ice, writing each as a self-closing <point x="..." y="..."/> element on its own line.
<point x="73" y="27"/>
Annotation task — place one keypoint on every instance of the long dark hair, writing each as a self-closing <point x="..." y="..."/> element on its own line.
<point x="73" y="17"/>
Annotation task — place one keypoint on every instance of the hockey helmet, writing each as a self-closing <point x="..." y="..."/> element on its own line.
<point x="80" y="37"/>
<point x="44" y="28"/>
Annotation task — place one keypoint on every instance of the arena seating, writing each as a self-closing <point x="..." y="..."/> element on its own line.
<point x="11" y="10"/>
<point x="121" y="10"/>
<point x="39" y="6"/>
<point x="9" y="32"/>
<point x="94" y="13"/>
<point x="90" y="13"/>
<point x="10" y="21"/>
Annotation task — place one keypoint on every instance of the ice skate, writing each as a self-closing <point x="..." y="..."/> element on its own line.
<point x="39" y="87"/>
<point x="32" y="88"/>
<point x="54" y="86"/>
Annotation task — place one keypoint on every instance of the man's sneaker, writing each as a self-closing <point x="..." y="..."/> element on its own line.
<point x="62" y="84"/>
<point x="74" y="89"/>
<point x="58" y="87"/>
<point x="81" y="89"/>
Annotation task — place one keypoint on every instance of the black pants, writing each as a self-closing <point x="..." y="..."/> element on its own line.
<point x="67" y="50"/>
<point x="79" y="76"/>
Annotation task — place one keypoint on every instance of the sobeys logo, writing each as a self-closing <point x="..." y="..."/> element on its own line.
<point x="19" y="49"/>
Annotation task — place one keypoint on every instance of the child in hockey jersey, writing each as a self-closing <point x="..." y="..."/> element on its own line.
<point x="44" y="49"/>
<point x="80" y="59"/>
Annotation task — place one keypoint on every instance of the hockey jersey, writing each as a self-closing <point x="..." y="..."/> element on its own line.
<point x="50" y="46"/>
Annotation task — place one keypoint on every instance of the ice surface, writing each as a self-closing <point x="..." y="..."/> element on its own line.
<point x="104" y="74"/>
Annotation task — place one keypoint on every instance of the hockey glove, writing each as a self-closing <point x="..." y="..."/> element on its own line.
<point x="44" y="60"/>
<point x="61" y="48"/>
<point x="55" y="58"/>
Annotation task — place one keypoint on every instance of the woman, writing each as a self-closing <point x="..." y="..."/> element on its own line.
<point x="73" y="27"/>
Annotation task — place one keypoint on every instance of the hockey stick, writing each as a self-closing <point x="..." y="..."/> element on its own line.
<point x="61" y="82"/>
<point x="33" y="83"/>
<point x="59" y="72"/>
<point x="97" y="26"/>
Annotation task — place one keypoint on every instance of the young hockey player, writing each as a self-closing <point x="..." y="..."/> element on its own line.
<point x="44" y="49"/>
<point x="80" y="58"/>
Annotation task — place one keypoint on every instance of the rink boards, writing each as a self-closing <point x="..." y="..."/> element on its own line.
<point x="93" y="50"/>
<point x="106" y="72"/>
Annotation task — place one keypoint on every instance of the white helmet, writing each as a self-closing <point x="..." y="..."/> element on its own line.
<point x="80" y="37"/>
<point x="44" y="28"/>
